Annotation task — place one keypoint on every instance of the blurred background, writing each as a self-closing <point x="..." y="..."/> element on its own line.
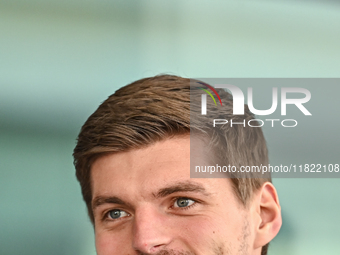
<point x="60" y="59"/>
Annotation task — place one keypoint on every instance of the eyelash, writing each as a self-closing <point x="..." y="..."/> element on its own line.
<point x="183" y="208"/>
<point x="106" y="216"/>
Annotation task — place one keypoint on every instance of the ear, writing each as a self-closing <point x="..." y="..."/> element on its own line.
<point x="268" y="215"/>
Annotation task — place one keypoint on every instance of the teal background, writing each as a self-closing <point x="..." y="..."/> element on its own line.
<point x="60" y="59"/>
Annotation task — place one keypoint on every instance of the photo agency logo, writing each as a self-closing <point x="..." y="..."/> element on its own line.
<point x="279" y="102"/>
<point x="239" y="116"/>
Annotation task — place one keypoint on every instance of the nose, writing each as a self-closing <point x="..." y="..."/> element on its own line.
<point x="151" y="232"/>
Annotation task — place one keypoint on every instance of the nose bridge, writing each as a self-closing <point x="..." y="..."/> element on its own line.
<point x="151" y="232"/>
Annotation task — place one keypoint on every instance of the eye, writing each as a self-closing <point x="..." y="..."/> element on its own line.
<point x="116" y="214"/>
<point x="183" y="202"/>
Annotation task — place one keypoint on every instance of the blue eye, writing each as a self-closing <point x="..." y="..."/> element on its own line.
<point x="183" y="202"/>
<point x="116" y="214"/>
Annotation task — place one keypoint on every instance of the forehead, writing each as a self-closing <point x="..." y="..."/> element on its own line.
<point x="146" y="170"/>
<point x="169" y="159"/>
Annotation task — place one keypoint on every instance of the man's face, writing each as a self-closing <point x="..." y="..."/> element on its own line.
<point x="144" y="202"/>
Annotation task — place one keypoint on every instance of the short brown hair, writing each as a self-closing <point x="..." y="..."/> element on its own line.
<point x="156" y="108"/>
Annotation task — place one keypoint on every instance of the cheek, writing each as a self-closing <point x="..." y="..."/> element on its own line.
<point x="207" y="230"/>
<point x="201" y="231"/>
<point x="108" y="243"/>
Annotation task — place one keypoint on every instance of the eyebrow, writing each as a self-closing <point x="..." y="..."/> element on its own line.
<point x="178" y="187"/>
<point x="181" y="187"/>
<point x="100" y="200"/>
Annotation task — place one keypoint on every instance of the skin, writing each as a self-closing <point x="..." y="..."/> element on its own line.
<point x="145" y="202"/>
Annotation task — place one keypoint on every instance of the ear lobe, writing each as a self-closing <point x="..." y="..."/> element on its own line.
<point x="269" y="210"/>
